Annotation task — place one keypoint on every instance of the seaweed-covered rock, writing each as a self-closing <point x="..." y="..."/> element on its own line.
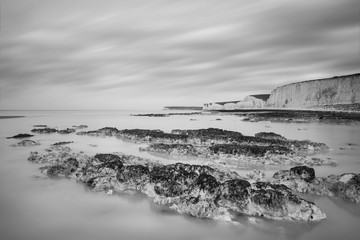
<point x="270" y="135"/>
<point x="302" y="179"/>
<point x="180" y="149"/>
<point x="62" y="143"/>
<point x="144" y="135"/>
<point x="67" y="131"/>
<point x="80" y="126"/>
<point x="25" y="143"/>
<point x="21" y="135"/>
<point x="304" y="172"/>
<point x="44" y="130"/>
<point x="200" y="191"/>
<point x="248" y="150"/>
<point x="106" y="131"/>
<point x="345" y="186"/>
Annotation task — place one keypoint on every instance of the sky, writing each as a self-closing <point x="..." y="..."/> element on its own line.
<point x="146" y="54"/>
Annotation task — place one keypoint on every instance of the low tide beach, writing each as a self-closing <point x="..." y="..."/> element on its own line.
<point x="38" y="206"/>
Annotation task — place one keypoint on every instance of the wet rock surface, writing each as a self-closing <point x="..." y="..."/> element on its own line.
<point x="66" y="131"/>
<point x="275" y="115"/>
<point x="302" y="179"/>
<point x="82" y="126"/>
<point x="62" y="143"/>
<point x="21" y="135"/>
<point x="44" y="130"/>
<point x="197" y="190"/>
<point x="26" y="143"/>
<point x="263" y="148"/>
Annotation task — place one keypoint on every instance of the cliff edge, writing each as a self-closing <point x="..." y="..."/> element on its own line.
<point x="317" y="93"/>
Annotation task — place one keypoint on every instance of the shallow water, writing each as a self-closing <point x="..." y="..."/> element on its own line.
<point x="35" y="207"/>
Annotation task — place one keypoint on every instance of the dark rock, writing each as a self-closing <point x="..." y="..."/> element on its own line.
<point x="67" y="131"/>
<point x="21" y="135"/>
<point x="181" y="149"/>
<point x="248" y="150"/>
<point x="61" y="143"/>
<point x="151" y="115"/>
<point x="304" y="172"/>
<point x="110" y="161"/>
<point x="302" y="179"/>
<point x="200" y="191"/>
<point x="106" y="131"/>
<point x="42" y="126"/>
<point x="270" y="135"/>
<point x="26" y="143"/>
<point x="44" y="130"/>
<point x="80" y="126"/>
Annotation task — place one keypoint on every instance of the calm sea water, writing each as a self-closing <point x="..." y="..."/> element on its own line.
<point x="35" y="207"/>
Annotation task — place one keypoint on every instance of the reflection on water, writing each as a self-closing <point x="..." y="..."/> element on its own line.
<point x="35" y="207"/>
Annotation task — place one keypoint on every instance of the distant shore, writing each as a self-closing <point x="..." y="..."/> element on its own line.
<point x="289" y="115"/>
<point x="4" y="117"/>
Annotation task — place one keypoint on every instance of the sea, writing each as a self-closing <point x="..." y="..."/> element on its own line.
<point x="35" y="207"/>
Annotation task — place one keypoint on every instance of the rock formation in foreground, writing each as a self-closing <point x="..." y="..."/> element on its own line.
<point x="199" y="191"/>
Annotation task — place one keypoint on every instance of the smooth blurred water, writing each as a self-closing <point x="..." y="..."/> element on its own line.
<point x="35" y="207"/>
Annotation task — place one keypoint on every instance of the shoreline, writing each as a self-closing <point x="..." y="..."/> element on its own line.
<point x="6" y="117"/>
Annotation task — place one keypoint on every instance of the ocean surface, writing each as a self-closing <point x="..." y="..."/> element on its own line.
<point x="34" y="207"/>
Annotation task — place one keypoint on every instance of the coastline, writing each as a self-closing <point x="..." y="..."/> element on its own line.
<point x="7" y="117"/>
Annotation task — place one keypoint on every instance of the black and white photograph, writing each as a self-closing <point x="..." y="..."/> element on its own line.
<point x="179" y="119"/>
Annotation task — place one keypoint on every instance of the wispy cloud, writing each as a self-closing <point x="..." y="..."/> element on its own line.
<point x="181" y="52"/>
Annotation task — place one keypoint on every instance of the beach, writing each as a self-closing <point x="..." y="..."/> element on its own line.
<point x="51" y="208"/>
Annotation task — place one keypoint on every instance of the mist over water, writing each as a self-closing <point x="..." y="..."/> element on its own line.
<point x="33" y="206"/>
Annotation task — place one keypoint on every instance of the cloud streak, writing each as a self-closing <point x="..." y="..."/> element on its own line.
<point x="178" y="52"/>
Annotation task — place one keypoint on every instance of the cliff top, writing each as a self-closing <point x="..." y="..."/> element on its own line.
<point x="321" y="79"/>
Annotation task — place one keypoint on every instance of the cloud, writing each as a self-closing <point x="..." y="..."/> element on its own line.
<point x="156" y="50"/>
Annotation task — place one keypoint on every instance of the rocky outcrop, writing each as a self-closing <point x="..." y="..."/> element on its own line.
<point x="214" y="143"/>
<point x="62" y="143"/>
<point x="66" y="131"/>
<point x="44" y="130"/>
<point x="302" y="179"/>
<point x="315" y="93"/>
<point x="301" y="116"/>
<point x="200" y="191"/>
<point x="26" y="143"/>
<point x="21" y="135"/>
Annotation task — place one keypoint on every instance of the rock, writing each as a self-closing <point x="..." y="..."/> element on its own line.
<point x="302" y="179"/>
<point x="42" y="126"/>
<point x="209" y="137"/>
<point x="61" y="143"/>
<point x="21" y="135"/>
<point x="66" y="131"/>
<point x="247" y="150"/>
<point x="255" y="176"/>
<point x="304" y="172"/>
<point x="80" y="126"/>
<point x="151" y="115"/>
<point x="270" y="135"/>
<point x="197" y="190"/>
<point x="44" y="130"/>
<point x="180" y="149"/>
<point x="106" y="131"/>
<point x="26" y="143"/>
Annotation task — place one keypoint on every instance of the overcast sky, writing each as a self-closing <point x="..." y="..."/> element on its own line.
<point x="132" y="54"/>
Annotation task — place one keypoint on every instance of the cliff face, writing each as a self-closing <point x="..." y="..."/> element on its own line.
<point x="313" y="93"/>
<point x="252" y="101"/>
